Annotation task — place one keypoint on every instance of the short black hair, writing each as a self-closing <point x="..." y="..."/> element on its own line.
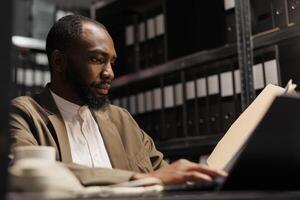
<point x="64" y="31"/>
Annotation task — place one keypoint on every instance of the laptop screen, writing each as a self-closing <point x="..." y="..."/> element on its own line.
<point x="270" y="159"/>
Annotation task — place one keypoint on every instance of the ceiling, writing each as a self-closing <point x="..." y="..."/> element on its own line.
<point x="71" y="4"/>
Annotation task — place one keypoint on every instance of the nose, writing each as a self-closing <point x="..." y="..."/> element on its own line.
<point x="107" y="73"/>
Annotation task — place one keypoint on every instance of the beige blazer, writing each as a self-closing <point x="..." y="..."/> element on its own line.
<point x="36" y="120"/>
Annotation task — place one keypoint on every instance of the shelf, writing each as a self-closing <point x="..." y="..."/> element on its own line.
<point x="262" y="40"/>
<point x="178" y="64"/>
<point x="187" y="146"/>
<point x="109" y="9"/>
<point x="275" y="36"/>
<point x="28" y="43"/>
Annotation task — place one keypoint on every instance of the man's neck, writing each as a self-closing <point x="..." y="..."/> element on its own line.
<point x="66" y="92"/>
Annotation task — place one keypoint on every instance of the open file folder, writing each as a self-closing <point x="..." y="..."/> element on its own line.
<point x="229" y="146"/>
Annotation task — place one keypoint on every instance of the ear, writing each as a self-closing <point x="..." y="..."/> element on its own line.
<point x="58" y="61"/>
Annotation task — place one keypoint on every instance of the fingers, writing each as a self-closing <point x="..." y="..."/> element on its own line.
<point x="197" y="176"/>
<point x="210" y="171"/>
<point x="183" y="171"/>
<point x="191" y="166"/>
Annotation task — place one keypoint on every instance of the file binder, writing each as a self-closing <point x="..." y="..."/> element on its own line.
<point x="130" y="47"/>
<point x="159" y="40"/>
<point x="179" y="109"/>
<point x="293" y="11"/>
<point x="192" y="107"/>
<point x="228" y="102"/>
<point x="214" y="104"/>
<point x="169" y="113"/>
<point x="38" y="78"/>
<point x="132" y="104"/>
<point x="149" y="121"/>
<point x="280" y="13"/>
<point x="124" y="103"/>
<point x="237" y="94"/>
<point x="157" y="113"/>
<point x="269" y="14"/>
<point x="261" y="15"/>
<point x="140" y="114"/>
<point x="151" y="41"/>
<point x="190" y="29"/>
<point x="202" y="100"/>
<point x="142" y="45"/>
<point x="230" y="29"/>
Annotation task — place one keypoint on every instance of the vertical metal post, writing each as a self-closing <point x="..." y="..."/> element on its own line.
<point x="5" y="82"/>
<point x="245" y="50"/>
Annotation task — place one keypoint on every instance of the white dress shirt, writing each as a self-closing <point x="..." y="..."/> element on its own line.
<point x="87" y="146"/>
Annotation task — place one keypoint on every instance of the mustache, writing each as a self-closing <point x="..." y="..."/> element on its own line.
<point x="101" y="84"/>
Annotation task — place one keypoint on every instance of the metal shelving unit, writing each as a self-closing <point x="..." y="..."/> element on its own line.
<point x="241" y="51"/>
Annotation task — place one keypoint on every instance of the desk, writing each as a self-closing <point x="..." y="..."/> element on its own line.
<point x="251" y="195"/>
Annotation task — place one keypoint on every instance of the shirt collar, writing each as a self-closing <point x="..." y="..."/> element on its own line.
<point x="65" y="105"/>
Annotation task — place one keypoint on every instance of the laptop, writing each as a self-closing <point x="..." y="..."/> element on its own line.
<point x="270" y="159"/>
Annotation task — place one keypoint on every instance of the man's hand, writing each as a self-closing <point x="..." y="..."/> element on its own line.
<point x="183" y="171"/>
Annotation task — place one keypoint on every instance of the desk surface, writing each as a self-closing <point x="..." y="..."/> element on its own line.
<point x="249" y="195"/>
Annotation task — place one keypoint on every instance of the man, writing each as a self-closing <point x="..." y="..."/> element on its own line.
<point x="99" y="142"/>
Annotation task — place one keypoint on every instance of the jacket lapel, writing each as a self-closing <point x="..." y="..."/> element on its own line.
<point x="112" y="140"/>
<point x="60" y="131"/>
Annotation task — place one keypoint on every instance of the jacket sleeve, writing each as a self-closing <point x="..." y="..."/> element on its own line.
<point x="156" y="157"/>
<point x="99" y="176"/>
<point x="22" y="134"/>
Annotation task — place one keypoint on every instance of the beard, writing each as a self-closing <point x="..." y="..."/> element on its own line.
<point x="84" y="91"/>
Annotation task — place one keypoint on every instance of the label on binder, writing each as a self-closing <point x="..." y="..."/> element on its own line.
<point x="271" y="72"/>
<point x="169" y="96"/>
<point x="228" y="4"/>
<point x="226" y="84"/>
<point x="150" y="28"/>
<point x="201" y="87"/>
<point x="129" y="35"/>
<point x="213" y="85"/>
<point x="141" y="103"/>
<point x="132" y="104"/>
<point x="157" y="99"/>
<point x="190" y="90"/>
<point x="258" y="76"/>
<point x="149" y="100"/>
<point x="178" y="94"/>
<point x="142" y="32"/>
<point x="237" y="81"/>
<point x="160" y="24"/>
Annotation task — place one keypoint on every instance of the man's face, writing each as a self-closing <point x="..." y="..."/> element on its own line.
<point x="89" y="65"/>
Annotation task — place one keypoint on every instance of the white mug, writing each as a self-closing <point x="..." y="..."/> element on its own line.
<point x="40" y="152"/>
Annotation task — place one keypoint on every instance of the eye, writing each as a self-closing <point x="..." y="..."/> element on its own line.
<point x="97" y="60"/>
